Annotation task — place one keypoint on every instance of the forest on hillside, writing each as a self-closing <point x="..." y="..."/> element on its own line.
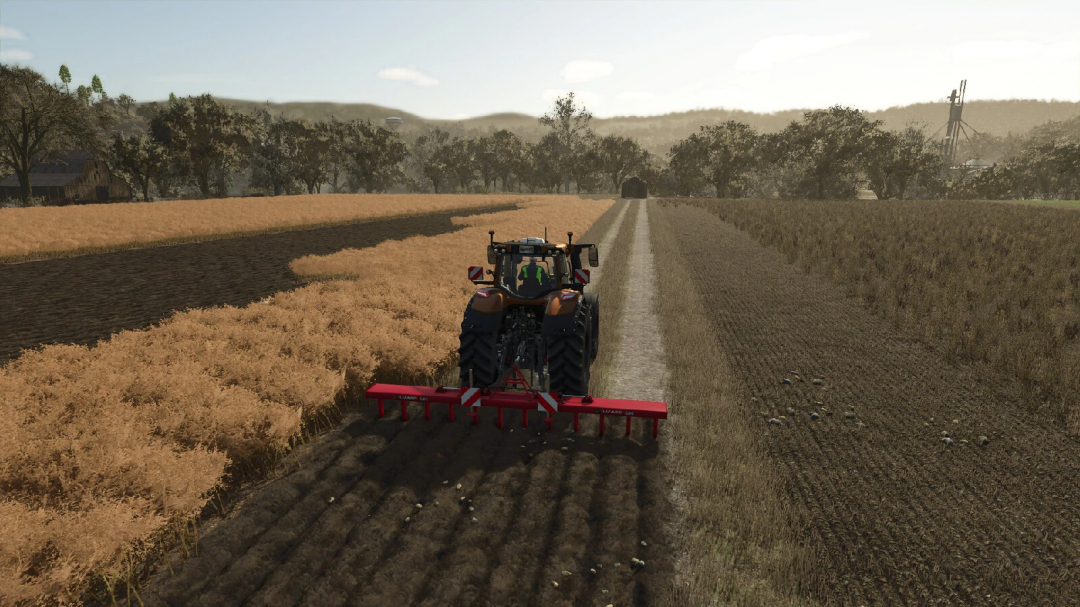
<point x="203" y="147"/>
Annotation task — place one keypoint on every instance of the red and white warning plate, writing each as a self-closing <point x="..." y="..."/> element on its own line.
<point x="470" y="397"/>
<point x="582" y="276"/>
<point x="547" y="401"/>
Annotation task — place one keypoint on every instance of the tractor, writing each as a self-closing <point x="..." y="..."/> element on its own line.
<point x="533" y="316"/>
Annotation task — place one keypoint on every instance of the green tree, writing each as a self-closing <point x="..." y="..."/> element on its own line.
<point x="460" y="162"/>
<point x="173" y="101"/>
<point x="687" y="165"/>
<point x="210" y="139"/>
<point x="275" y="147"/>
<point x="620" y="157"/>
<point x="39" y="120"/>
<point x="830" y="144"/>
<point x="313" y="162"/>
<point x="508" y="151"/>
<point x="429" y="153"/>
<point x="894" y="161"/>
<point x="65" y="77"/>
<point x="375" y="156"/>
<point x="138" y="158"/>
<point x="486" y="159"/>
<point x="95" y="86"/>
<point x="730" y="156"/>
<point x="569" y="126"/>
<point x="587" y="168"/>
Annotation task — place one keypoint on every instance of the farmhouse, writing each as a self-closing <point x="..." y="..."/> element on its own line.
<point x="74" y="177"/>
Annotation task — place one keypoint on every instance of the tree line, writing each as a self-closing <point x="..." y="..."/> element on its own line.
<point x="198" y="146"/>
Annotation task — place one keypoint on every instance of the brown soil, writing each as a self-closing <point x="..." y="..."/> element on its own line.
<point x="544" y="503"/>
<point x="895" y="515"/>
<point x="83" y="299"/>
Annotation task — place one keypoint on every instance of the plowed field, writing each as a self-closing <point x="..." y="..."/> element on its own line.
<point x="428" y="512"/>
<point x="83" y="299"/>
<point x="897" y="516"/>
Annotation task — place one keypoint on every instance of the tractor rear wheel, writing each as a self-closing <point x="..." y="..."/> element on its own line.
<point x="569" y="356"/>
<point x="593" y="300"/>
<point x="478" y="353"/>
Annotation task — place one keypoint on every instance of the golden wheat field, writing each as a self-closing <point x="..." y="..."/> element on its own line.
<point x="39" y="232"/>
<point x="104" y="447"/>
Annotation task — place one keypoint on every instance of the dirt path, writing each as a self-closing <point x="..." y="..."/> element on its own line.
<point x="86" y="298"/>
<point x="640" y="359"/>
<point x="543" y="503"/>
<point x="896" y="515"/>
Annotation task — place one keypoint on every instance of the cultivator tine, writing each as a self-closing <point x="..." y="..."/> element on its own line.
<point x="500" y="422"/>
<point x="601" y="424"/>
<point x="382" y="410"/>
<point x="405" y="410"/>
<point x="628" y="418"/>
<point x="524" y="418"/>
<point x="575" y="422"/>
<point x="427" y="410"/>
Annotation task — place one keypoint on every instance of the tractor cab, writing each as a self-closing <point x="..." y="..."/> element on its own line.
<point x="531" y="268"/>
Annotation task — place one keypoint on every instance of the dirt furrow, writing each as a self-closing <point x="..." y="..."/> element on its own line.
<point x="87" y="298"/>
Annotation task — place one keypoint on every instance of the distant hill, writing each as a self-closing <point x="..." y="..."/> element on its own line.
<point x="658" y="133"/>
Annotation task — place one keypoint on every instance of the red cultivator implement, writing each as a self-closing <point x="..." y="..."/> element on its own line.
<point x="547" y="403"/>
<point x="535" y="316"/>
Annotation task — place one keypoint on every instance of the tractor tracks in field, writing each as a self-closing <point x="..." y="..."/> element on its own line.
<point x="896" y="515"/>
<point x="400" y="528"/>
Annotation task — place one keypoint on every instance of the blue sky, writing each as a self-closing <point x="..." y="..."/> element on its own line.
<point x="460" y="59"/>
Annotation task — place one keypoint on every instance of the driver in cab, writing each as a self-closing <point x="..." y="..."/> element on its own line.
<point x="533" y="276"/>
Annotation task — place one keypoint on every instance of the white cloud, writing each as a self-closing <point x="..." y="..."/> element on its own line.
<point x="1015" y="50"/>
<point x="583" y="71"/>
<point x="407" y="74"/>
<point x="778" y="49"/>
<point x="16" y="54"/>
<point x="587" y="98"/>
<point x="10" y="33"/>
<point x="634" y="96"/>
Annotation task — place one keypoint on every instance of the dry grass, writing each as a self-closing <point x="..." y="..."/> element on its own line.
<point x="104" y="448"/>
<point x="738" y="537"/>
<point x="985" y="282"/>
<point x="41" y="232"/>
<point x="611" y="289"/>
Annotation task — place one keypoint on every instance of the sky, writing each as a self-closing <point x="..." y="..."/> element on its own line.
<point x="454" y="60"/>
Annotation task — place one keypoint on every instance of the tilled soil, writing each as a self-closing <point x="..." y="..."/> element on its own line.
<point x="84" y="299"/>
<point x="897" y="515"/>
<point x="548" y="506"/>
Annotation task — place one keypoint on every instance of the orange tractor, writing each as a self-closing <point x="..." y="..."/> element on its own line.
<point x="536" y="317"/>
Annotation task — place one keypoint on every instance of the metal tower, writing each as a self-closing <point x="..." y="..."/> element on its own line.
<point x="952" y="133"/>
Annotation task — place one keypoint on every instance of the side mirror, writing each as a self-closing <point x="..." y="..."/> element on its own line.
<point x="491" y="255"/>
<point x="594" y="257"/>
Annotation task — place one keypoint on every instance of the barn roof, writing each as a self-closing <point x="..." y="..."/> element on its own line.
<point x="41" y="179"/>
<point x="57" y="172"/>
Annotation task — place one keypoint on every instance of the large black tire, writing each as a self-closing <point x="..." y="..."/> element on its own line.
<point x="593" y="301"/>
<point x="568" y="356"/>
<point x="477" y="352"/>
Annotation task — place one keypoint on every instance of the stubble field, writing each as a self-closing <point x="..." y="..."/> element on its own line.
<point x="893" y="514"/>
